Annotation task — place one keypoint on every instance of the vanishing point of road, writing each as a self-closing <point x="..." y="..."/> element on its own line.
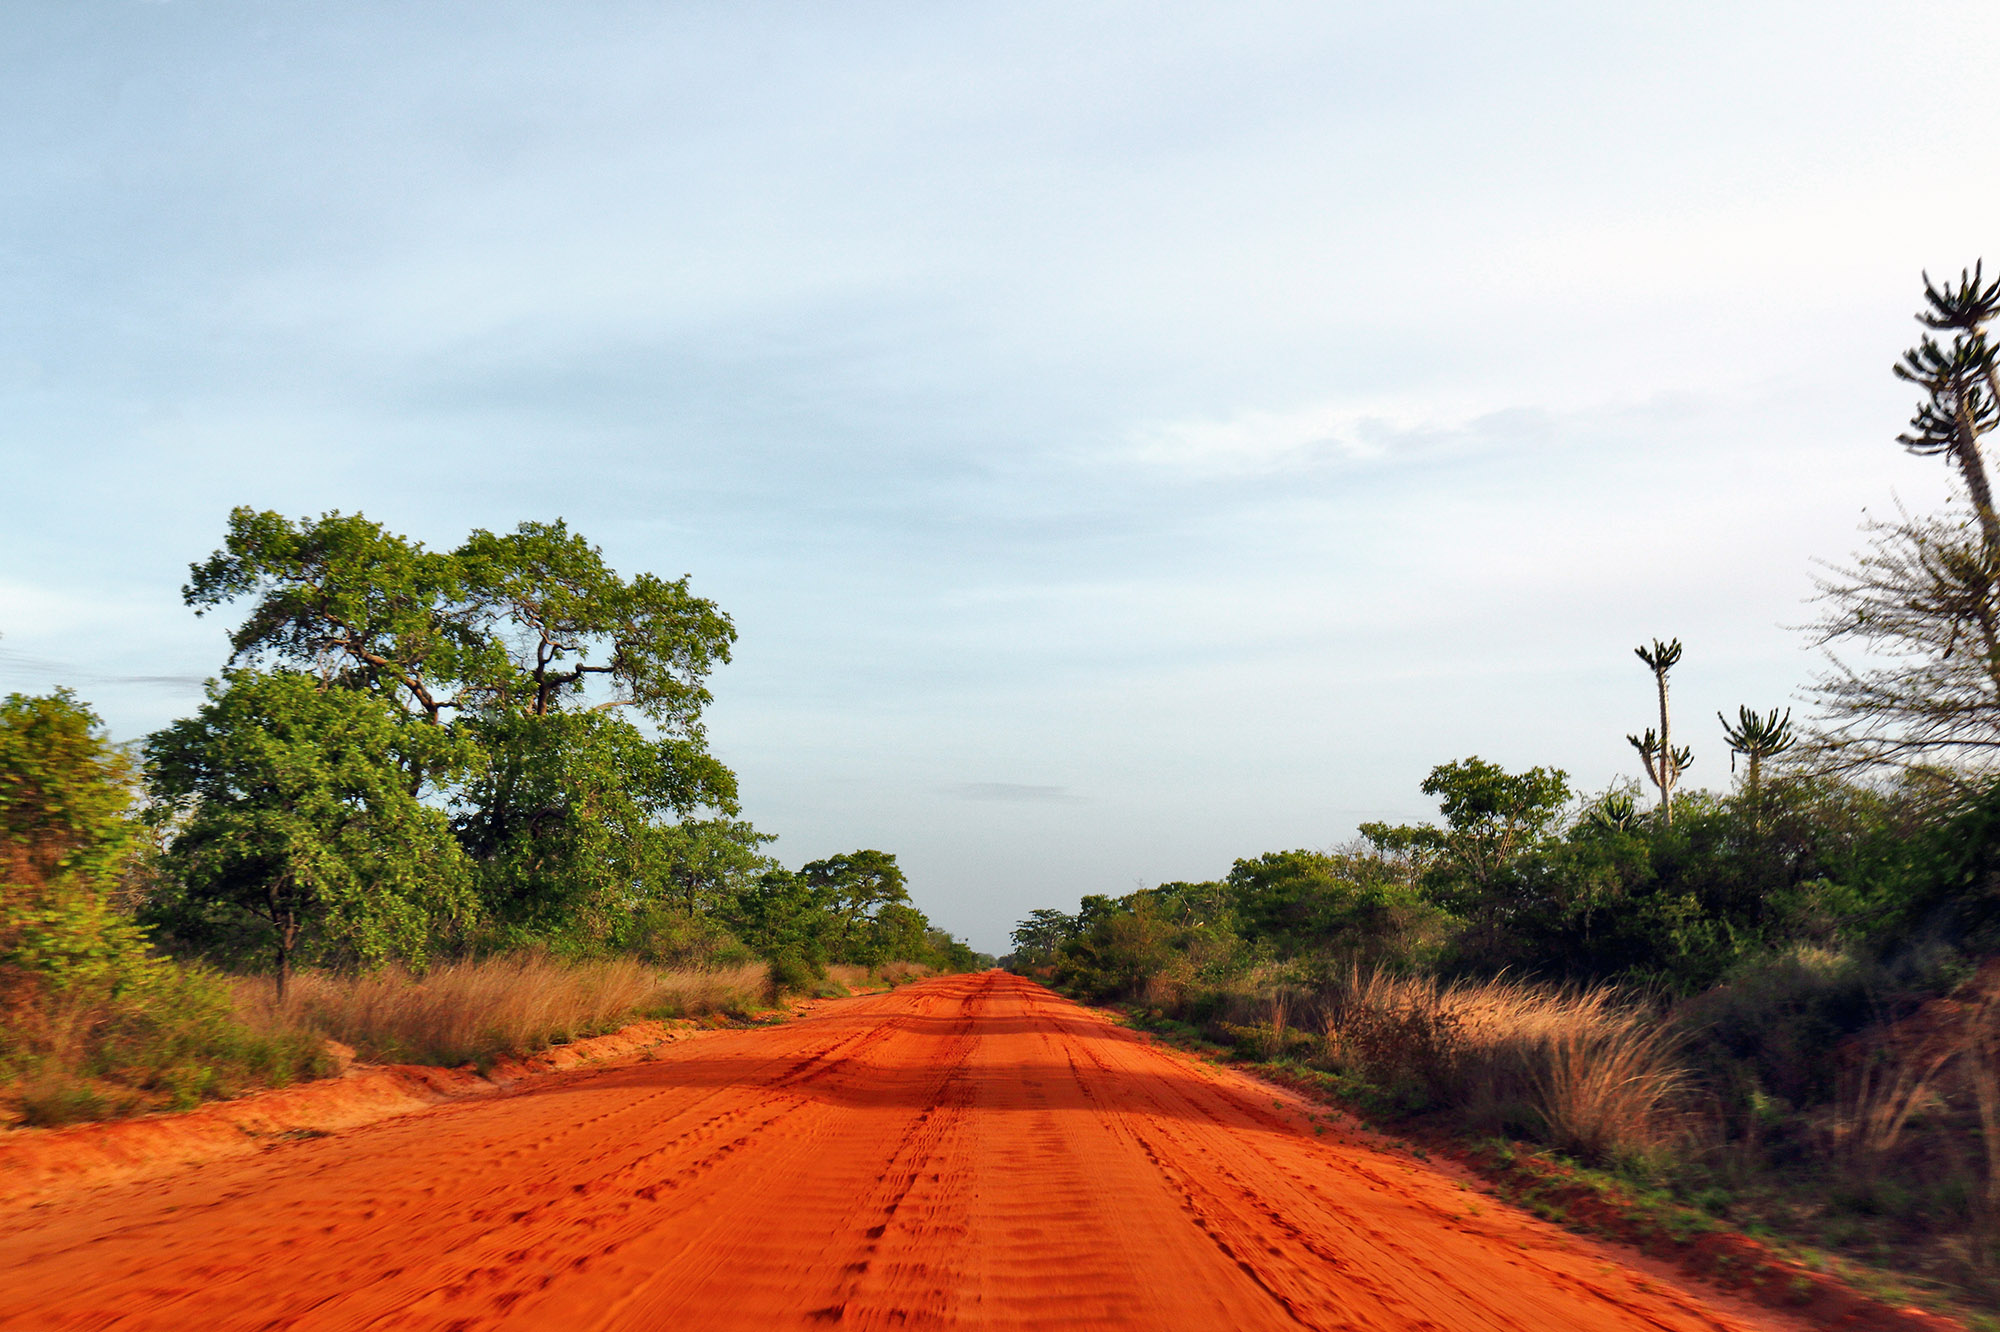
<point x="970" y="1151"/>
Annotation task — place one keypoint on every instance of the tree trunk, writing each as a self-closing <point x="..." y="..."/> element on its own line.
<point x="1984" y="1074"/>
<point x="1973" y="465"/>
<point x="1972" y="461"/>
<point x="285" y="925"/>
<point x="1667" y="769"/>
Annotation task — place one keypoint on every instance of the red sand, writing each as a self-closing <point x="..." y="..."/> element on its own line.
<point x="966" y="1152"/>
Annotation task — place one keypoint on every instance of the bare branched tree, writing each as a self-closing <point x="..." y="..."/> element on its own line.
<point x="1920" y="602"/>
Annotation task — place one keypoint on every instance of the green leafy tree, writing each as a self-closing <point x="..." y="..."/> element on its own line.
<point x="555" y="620"/>
<point x="897" y="930"/>
<point x="66" y="793"/>
<point x="1041" y="935"/>
<point x="68" y="844"/>
<point x="578" y="692"/>
<point x="1122" y="946"/>
<point x="358" y="605"/>
<point x="709" y="861"/>
<point x="1335" y="906"/>
<point x="571" y="821"/>
<point x="856" y="887"/>
<point x="786" y="919"/>
<point x="292" y="819"/>
<point x="1493" y="819"/>
<point x="529" y="622"/>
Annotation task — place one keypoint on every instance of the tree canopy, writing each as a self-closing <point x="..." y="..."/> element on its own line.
<point x="496" y="745"/>
<point x="528" y="622"/>
<point x="291" y="811"/>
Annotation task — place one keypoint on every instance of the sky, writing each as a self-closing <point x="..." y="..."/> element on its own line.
<point x="1127" y="437"/>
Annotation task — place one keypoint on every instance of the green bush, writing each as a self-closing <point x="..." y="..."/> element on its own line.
<point x="790" y="972"/>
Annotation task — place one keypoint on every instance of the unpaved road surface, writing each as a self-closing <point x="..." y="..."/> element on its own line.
<point x="971" y="1151"/>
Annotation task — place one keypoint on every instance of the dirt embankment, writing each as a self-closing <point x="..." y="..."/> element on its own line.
<point x="39" y="1165"/>
<point x="966" y="1152"/>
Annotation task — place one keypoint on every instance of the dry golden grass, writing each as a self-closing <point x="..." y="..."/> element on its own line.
<point x="1596" y="1074"/>
<point x="889" y="973"/>
<point x="476" y="1011"/>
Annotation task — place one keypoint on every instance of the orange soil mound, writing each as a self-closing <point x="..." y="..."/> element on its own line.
<point x="969" y="1151"/>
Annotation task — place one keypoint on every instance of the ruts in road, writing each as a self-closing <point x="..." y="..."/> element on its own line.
<point x="969" y="1151"/>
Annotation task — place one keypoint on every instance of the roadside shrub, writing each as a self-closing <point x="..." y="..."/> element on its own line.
<point x="1585" y="1070"/>
<point x="1396" y="1030"/>
<point x="52" y="1099"/>
<point x="146" y="1033"/>
<point x="1767" y="1029"/>
<point x="789" y="971"/>
<point x="681" y="940"/>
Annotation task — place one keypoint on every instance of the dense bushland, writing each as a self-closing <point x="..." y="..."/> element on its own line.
<point x="452" y="804"/>
<point x="1778" y="1005"/>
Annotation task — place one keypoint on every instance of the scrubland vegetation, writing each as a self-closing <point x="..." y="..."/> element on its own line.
<point x="1779" y="1001"/>
<point x="1787" y="1010"/>
<point x="437" y="806"/>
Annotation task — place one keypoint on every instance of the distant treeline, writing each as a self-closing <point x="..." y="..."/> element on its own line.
<point x="1522" y="875"/>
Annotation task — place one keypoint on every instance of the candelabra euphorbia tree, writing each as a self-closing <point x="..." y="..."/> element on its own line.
<point x="1664" y="763"/>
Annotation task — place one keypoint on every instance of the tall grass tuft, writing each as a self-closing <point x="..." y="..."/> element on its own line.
<point x="1586" y="1070"/>
<point x="474" y="1012"/>
<point x="888" y="973"/>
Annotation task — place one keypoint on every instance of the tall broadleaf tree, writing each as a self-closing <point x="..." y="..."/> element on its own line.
<point x="356" y="604"/>
<point x="294" y="828"/>
<point x="578" y="692"/>
<point x="1493" y="820"/>
<point x="858" y="886"/>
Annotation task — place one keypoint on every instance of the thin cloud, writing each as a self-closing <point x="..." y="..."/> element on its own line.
<point x="1014" y="792"/>
<point x="1255" y="442"/>
<point x="62" y="672"/>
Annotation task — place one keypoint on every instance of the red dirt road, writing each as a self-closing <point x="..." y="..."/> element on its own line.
<point x="967" y="1152"/>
